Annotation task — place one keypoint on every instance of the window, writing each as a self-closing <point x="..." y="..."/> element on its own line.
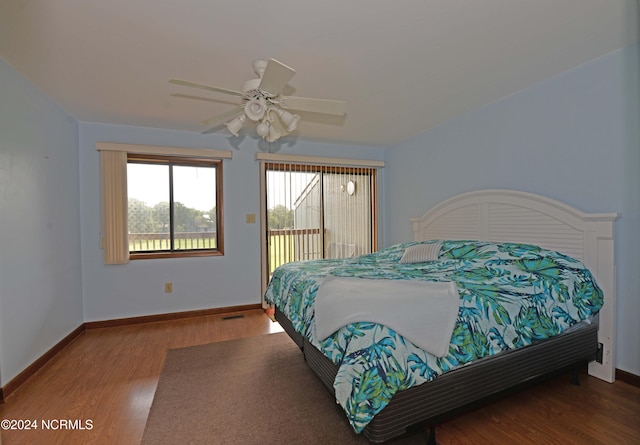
<point x="174" y="206"/>
<point x="176" y="201"/>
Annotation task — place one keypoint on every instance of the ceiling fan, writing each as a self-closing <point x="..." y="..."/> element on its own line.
<point x="262" y="102"/>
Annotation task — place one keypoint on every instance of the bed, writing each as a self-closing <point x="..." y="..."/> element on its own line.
<point x="506" y="227"/>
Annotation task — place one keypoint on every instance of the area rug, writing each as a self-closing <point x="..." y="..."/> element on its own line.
<point x="255" y="390"/>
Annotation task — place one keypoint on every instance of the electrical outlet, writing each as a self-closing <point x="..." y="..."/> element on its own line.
<point x="168" y="287"/>
<point x="250" y="218"/>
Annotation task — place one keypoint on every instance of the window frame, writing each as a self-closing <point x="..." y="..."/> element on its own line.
<point x="173" y="160"/>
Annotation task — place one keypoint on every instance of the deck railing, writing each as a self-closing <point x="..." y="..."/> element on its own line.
<point x="139" y="242"/>
<point x="286" y="245"/>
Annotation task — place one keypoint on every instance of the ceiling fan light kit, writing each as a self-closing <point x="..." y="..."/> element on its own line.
<point x="235" y="124"/>
<point x="255" y="109"/>
<point x="263" y="102"/>
<point x="289" y="120"/>
<point x="273" y="135"/>
<point x="262" y="129"/>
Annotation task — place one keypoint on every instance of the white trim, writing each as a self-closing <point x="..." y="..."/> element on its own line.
<point x="513" y="216"/>
<point x="264" y="242"/>
<point x="162" y="150"/>
<point x="317" y="160"/>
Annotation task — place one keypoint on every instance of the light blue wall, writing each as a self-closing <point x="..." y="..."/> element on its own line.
<point x="137" y="288"/>
<point x="574" y="138"/>
<point x="40" y="269"/>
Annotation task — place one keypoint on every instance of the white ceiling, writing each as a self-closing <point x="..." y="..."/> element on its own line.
<point x="403" y="66"/>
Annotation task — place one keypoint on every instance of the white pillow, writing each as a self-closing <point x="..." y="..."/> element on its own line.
<point x="420" y="253"/>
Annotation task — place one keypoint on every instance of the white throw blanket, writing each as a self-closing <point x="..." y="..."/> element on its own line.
<point x="423" y="312"/>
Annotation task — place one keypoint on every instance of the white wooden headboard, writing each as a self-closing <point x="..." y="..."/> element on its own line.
<point x="513" y="216"/>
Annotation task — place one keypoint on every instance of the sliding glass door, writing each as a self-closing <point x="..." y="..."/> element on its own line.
<point x="316" y="211"/>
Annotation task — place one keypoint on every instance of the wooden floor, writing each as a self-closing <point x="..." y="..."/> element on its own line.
<point x="106" y="379"/>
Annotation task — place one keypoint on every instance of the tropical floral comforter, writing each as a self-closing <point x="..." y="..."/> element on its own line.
<point x="511" y="295"/>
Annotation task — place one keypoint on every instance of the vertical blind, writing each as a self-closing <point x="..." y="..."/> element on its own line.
<point x="318" y="210"/>
<point x="113" y="178"/>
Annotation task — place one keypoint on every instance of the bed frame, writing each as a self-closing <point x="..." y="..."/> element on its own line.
<point x="501" y="216"/>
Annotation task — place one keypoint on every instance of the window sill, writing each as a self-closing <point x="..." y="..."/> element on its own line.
<point x="186" y="254"/>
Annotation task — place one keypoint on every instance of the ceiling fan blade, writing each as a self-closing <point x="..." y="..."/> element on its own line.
<point x="204" y="99"/>
<point x="210" y="129"/>
<point x="276" y="76"/>
<point x="337" y="107"/>
<point x="218" y="119"/>
<point x="206" y="87"/>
